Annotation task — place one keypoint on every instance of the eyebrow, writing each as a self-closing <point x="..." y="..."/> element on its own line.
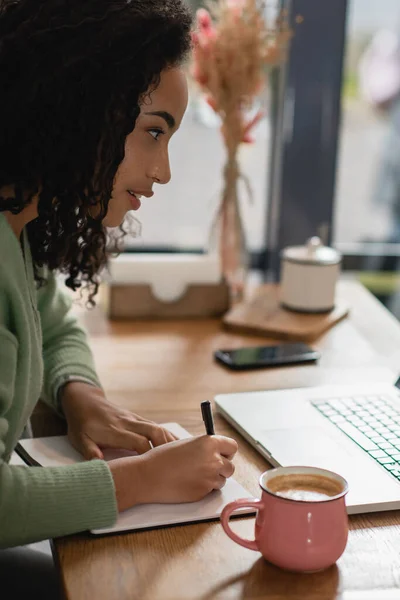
<point x="168" y="118"/>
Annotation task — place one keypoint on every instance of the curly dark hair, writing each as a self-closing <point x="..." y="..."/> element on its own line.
<point x="73" y="73"/>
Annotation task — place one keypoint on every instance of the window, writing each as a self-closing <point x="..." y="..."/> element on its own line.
<point x="180" y="214"/>
<point x="367" y="208"/>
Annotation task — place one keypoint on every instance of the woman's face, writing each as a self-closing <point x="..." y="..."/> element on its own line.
<point x="146" y="160"/>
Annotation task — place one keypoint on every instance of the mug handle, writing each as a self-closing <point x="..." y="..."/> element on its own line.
<point x="226" y="513"/>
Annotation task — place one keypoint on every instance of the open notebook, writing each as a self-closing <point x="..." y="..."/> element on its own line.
<point x="55" y="451"/>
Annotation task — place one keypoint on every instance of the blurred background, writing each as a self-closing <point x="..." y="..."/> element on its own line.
<point x="326" y="159"/>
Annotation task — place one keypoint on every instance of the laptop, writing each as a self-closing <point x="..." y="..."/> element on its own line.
<point x="353" y="430"/>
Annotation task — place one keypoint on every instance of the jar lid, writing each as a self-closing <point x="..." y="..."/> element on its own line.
<point x="314" y="252"/>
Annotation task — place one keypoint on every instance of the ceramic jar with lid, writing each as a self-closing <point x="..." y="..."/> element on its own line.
<point x="308" y="277"/>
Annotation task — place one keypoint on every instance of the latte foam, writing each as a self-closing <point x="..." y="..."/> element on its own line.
<point x="304" y="487"/>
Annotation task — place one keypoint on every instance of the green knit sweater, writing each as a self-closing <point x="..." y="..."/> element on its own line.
<point x="41" y="343"/>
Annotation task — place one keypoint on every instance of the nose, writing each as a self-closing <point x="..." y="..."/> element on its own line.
<point x="162" y="169"/>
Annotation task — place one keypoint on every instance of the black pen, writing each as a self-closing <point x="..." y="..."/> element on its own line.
<point x="207" y="417"/>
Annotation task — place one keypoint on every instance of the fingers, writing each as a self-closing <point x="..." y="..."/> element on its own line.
<point x="231" y="457"/>
<point x="219" y="484"/>
<point x="89" y="449"/>
<point x="129" y="441"/>
<point x="227" y="469"/>
<point x="226" y="446"/>
<point x="156" y="434"/>
<point x="170" y="437"/>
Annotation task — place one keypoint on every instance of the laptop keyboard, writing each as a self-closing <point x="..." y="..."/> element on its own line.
<point x="372" y="422"/>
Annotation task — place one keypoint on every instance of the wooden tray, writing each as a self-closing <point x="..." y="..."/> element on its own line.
<point x="263" y="315"/>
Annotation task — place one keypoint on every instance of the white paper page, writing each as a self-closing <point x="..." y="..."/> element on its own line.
<point x="56" y="450"/>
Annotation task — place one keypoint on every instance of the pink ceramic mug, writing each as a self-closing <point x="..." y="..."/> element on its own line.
<point x="302" y="531"/>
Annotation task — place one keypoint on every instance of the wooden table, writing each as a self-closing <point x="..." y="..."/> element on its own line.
<point x="163" y="370"/>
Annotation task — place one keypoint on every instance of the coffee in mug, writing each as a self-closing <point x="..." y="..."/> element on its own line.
<point x="304" y="487"/>
<point x="301" y="522"/>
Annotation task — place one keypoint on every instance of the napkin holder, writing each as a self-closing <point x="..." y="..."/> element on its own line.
<point x="164" y="286"/>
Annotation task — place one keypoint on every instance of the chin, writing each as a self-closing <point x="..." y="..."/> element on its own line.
<point x="113" y="220"/>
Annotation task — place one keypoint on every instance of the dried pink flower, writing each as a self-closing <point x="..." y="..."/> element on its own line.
<point x="233" y="47"/>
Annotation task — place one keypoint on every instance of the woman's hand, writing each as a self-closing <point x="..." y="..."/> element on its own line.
<point x="94" y="423"/>
<point x="184" y="471"/>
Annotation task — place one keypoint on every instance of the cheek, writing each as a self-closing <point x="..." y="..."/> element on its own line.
<point x="135" y="155"/>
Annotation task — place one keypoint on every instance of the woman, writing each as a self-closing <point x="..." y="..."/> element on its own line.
<point x="92" y="92"/>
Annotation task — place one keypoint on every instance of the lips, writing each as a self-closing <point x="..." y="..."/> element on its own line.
<point x="134" y="195"/>
<point x="145" y="193"/>
<point x="135" y="200"/>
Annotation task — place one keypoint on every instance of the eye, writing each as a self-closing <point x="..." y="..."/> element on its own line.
<point x="155" y="133"/>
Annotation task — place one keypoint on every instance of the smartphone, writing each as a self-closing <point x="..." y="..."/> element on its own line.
<point x="259" y="357"/>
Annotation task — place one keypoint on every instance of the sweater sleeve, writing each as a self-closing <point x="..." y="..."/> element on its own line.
<point x="65" y="348"/>
<point x="38" y="503"/>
